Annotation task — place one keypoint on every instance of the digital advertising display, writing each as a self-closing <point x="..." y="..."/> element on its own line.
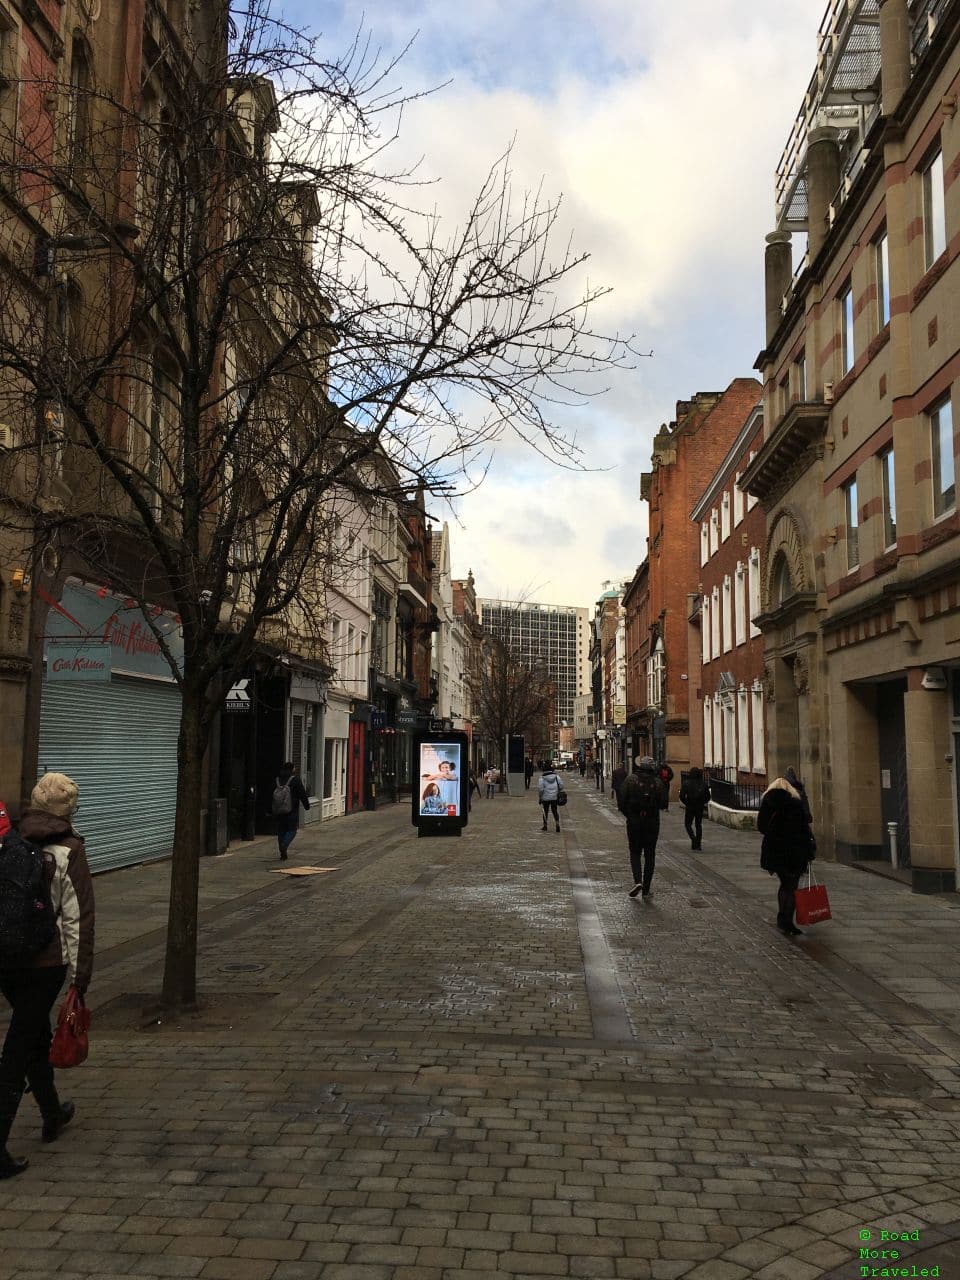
<point x="441" y="782"/>
<point x="439" y="779"/>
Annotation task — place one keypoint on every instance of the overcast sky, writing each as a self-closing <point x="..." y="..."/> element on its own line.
<point x="661" y="125"/>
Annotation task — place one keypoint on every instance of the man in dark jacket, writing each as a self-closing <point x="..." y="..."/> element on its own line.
<point x="527" y="772"/>
<point x="784" y="821"/>
<point x="32" y="989"/>
<point x="289" y="822"/>
<point x="642" y="796"/>
<point x="694" y="796"/>
<point x="617" y="779"/>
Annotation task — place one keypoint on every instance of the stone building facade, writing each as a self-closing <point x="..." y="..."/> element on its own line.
<point x="861" y="588"/>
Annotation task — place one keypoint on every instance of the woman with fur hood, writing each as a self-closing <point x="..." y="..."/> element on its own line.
<point x="32" y="990"/>
<point x="788" y="846"/>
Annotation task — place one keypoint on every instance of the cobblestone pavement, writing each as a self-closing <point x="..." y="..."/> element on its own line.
<point x="478" y="1056"/>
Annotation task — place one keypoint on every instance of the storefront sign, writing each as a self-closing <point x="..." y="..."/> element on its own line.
<point x="378" y="720"/>
<point x="407" y="719"/>
<point x="238" y="696"/>
<point x="620" y="713"/>
<point x="86" y="615"/>
<point x="67" y="660"/>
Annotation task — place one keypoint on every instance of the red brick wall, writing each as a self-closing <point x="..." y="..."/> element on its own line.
<point x="699" y="440"/>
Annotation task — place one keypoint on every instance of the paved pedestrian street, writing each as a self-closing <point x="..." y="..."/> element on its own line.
<point x="473" y="1057"/>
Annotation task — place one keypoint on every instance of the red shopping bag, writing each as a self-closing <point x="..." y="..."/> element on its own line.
<point x="813" y="905"/>
<point x="70" y="1042"/>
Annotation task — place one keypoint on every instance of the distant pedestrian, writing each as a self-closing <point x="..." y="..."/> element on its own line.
<point x="785" y="822"/>
<point x="527" y="772"/>
<point x="694" y="796"/>
<point x="491" y="778"/>
<point x="31" y="983"/>
<point x="598" y="774"/>
<point x="665" y="774"/>
<point x="583" y="766"/>
<point x="474" y="784"/>
<point x="617" y="779"/>
<point x="642" y="797"/>
<point x="288" y="795"/>
<point x="549" y="790"/>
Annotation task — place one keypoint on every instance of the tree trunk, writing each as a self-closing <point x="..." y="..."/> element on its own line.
<point x="180" y="963"/>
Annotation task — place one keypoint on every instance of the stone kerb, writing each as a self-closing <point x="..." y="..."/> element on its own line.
<point x="737" y="819"/>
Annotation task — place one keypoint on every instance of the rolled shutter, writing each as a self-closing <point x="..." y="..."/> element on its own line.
<point x="118" y="741"/>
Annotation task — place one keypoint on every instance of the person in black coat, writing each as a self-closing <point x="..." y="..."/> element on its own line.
<point x="617" y="779"/>
<point x="694" y="796"/>
<point x="641" y="798"/>
<point x="288" y="823"/>
<point x="788" y="846"/>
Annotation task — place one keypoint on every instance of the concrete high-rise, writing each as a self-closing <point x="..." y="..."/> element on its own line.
<point x="556" y="636"/>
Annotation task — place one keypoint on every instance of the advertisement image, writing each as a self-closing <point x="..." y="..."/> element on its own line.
<point x="440" y="779"/>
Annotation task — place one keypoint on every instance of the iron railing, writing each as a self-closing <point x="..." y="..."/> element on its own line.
<point x="727" y="788"/>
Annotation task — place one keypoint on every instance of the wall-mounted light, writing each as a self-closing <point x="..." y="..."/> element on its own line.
<point x="20" y="581"/>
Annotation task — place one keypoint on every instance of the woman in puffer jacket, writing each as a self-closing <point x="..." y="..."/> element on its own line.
<point x="548" y="791"/>
<point x="32" y="990"/>
<point x="788" y="845"/>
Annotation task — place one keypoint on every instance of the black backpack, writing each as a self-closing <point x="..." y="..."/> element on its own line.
<point x="640" y="797"/>
<point x="28" y="922"/>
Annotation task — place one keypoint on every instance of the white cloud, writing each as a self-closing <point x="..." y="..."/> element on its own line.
<point x="661" y="125"/>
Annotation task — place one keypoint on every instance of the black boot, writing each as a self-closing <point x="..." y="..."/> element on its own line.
<point x="56" y="1114"/>
<point x="9" y="1101"/>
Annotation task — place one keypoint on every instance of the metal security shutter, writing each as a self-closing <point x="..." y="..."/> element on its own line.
<point x="118" y="741"/>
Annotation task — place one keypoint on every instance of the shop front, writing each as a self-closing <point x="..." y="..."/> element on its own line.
<point x="305" y="737"/>
<point x="110" y="717"/>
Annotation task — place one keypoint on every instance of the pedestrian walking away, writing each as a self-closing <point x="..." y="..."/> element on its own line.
<point x="665" y="774"/>
<point x="527" y="772"/>
<point x="491" y="778"/>
<point x="582" y="766"/>
<point x="474" y="784"/>
<point x="549" y="791"/>
<point x="694" y="796"/>
<point x="288" y="795"/>
<point x="785" y="822"/>
<point x="617" y="779"/>
<point x="598" y="774"/>
<point x="642" y="797"/>
<point x="38" y="958"/>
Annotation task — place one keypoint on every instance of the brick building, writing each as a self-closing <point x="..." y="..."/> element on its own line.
<point x="636" y="621"/>
<point x="726" y="655"/>
<point x="857" y="473"/>
<point x="686" y="456"/>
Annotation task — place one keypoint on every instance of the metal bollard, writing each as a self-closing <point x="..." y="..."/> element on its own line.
<point x="894" y="852"/>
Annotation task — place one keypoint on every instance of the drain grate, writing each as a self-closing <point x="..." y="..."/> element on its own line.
<point x="243" y="966"/>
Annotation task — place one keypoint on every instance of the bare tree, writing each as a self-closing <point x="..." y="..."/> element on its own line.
<point x="220" y="321"/>
<point x="510" y="696"/>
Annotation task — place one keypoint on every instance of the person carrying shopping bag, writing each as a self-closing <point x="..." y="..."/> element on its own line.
<point x="31" y="982"/>
<point x="785" y="822"/>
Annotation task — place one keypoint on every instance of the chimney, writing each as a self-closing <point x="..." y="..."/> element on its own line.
<point x="823" y="183"/>
<point x="777" y="274"/>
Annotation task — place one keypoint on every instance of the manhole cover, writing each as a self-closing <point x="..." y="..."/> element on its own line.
<point x="243" y="966"/>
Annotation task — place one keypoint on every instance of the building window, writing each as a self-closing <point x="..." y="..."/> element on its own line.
<point x="783" y="393"/>
<point x="655" y="675"/>
<point x="800" y="378"/>
<point x="751" y="500"/>
<point x="934" y="214"/>
<point x="941" y="443"/>
<point x="727" y="614"/>
<point x="740" y="604"/>
<point x="717" y="731"/>
<point x="708" y="730"/>
<point x="705" y="630"/>
<point x="882" y="268"/>
<point x="725" y="517"/>
<point x="737" y="500"/>
<point x="753" y="588"/>
<point x="704" y="542"/>
<point x="743" y="730"/>
<point x="851" y="523"/>
<point x="714" y="532"/>
<point x="846" y="330"/>
<point x="78" y="104"/>
<point x="715" y="623"/>
<point x="888" y="482"/>
<point x="759" y="761"/>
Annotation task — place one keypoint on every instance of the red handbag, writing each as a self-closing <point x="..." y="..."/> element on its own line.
<point x="813" y="905"/>
<point x="70" y="1041"/>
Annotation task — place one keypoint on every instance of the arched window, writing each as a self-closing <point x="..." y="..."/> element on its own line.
<point x="782" y="582"/>
<point x="78" y="104"/>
